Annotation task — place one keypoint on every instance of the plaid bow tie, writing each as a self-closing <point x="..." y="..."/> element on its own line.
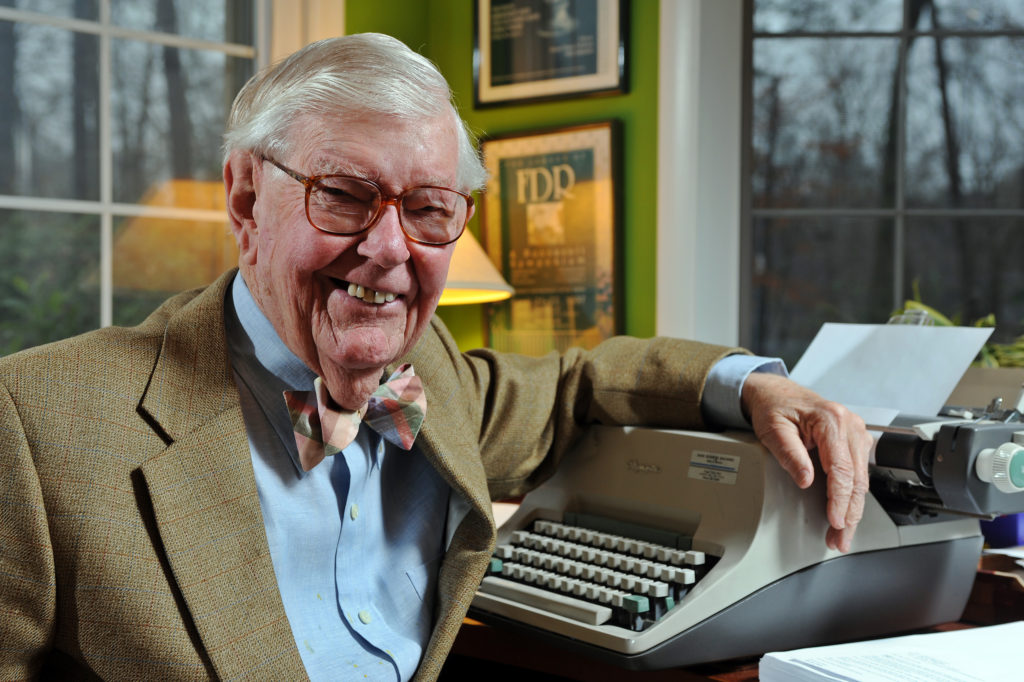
<point x="395" y="411"/>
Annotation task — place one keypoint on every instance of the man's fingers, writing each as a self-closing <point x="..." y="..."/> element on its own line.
<point x="845" y="504"/>
<point x="839" y="468"/>
<point x="790" y="420"/>
<point x="860" y="448"/>
<point x="786" y="446"/>
<point x="842" y="447"/>
<point x="844" y="460"/>
<point x="840" y="538"/>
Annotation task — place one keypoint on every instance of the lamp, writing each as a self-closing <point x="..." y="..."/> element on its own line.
<point x="472" y="278"/>
<point x="154" y="251"/>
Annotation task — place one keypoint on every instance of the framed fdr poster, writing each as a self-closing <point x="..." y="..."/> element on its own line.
<point x="549" y="224"/>
<point x="528" y="50"/>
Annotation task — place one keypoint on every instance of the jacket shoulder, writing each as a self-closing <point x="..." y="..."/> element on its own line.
<point x="102" y="370"/>
<point x="100" y="342"/>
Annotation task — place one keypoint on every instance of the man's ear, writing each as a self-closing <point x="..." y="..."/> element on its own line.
<point x="240" y="187"/>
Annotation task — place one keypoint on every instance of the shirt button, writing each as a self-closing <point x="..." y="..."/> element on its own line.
<point x="380" y="447"/>
<point x="353" y="512"/>
<point x="365" y="617"/>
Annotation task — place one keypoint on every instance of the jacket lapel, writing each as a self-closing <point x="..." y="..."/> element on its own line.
<point x="470" y="545"/>
<point x="470" y="535"/>
<point x="203" y="494"/>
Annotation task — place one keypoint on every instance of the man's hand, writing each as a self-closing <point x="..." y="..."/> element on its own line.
<point x="790" y="420"/>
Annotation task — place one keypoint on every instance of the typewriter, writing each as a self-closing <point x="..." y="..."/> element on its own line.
<point x="653" y="548"/>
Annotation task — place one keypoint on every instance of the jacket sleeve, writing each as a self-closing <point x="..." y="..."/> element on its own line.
<point x="528" y="411"/>
<point x="27" y="584"/>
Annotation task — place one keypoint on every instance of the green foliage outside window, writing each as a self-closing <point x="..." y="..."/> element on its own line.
<point x="49" y="277"/>
<point x="991" y="354"/>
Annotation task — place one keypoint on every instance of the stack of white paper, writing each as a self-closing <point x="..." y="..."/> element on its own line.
<point x="989" y="654"/>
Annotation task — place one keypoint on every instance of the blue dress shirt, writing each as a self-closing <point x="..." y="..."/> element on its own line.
<point x="356" y="543"/>
<point x="720" y="403"/>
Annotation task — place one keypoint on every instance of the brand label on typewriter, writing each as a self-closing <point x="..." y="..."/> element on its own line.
<point x="708" y="466"/>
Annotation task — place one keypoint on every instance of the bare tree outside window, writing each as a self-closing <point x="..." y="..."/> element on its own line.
<point x="76" y="251"/>
<point x="885" y="158"/>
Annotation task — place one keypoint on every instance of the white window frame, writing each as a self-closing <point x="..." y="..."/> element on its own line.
<point x="700" y="85"/>
<point x="282" y="26"/>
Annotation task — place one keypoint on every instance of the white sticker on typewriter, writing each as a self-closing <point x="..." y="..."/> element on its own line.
<point x="707" y="466"/>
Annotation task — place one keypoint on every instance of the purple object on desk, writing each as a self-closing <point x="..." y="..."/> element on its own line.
<point x="1006" y="531"/>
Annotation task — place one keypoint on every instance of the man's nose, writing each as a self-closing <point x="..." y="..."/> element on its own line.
<point x="385" y="241"/>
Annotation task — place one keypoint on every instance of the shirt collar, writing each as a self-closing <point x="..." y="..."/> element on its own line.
<point x="264" y="346"/>
<point x="264" y="363"/>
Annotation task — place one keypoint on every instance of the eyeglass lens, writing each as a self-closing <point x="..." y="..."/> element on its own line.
<point x="347" y="205"/>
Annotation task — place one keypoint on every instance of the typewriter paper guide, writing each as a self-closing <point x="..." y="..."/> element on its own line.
<point x="906" y="368"/>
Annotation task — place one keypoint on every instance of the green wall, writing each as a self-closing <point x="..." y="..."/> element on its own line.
<point x="443" y="31"/>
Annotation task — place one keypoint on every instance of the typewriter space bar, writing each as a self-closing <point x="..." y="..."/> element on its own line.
<point x="585" y="612"/>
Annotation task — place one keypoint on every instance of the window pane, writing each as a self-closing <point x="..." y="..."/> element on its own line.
<point x="822" y="112"/>
<point x="965" y="123"/>
<point x="78" y="9"/>
<point x="781" y="16"/>
<point x="808" y="272"/>
<point x="49" y="277"/>
<point x="969" y="267"/>
<point x="155" y="258"/>
<point x="169" y="110"/>
<point x="978" y="14"/>
<point x="49" y="94"/>
<point x="228" y="21"/>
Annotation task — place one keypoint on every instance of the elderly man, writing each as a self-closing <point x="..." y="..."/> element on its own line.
<point x="169" y="507"/>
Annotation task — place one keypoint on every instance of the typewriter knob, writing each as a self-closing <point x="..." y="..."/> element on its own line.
<point x="1003" y="467"/>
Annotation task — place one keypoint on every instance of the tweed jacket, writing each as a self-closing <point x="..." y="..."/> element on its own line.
<point x="132" y="544"/>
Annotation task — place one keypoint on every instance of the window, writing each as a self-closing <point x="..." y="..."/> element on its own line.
<point x="885" y="160"/>
<point x="111" y="115"/>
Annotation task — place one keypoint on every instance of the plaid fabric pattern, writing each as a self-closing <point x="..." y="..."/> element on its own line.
<point x="395" y="411"/>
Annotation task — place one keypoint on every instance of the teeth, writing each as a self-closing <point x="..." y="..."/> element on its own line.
<point x="369" y="295"/>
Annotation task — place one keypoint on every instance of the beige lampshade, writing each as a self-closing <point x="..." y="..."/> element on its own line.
<point x="472" y="278"/>
<point x="159" y="253"/>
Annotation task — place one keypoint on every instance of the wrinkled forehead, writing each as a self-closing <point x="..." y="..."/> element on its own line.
<point x="372" y="146"/>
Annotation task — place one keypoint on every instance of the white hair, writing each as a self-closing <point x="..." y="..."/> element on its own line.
<point x="349" y="75"/>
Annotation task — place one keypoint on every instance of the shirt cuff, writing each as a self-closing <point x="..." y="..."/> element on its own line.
<point x="720" y="403"/>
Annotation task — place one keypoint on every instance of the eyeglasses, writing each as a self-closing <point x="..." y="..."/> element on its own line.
<point x="342" y="204"/>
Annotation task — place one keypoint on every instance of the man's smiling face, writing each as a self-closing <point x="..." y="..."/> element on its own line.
<point x="348" y="305"/>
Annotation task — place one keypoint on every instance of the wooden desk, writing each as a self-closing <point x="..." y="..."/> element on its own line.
<point x="495" y="654"/>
